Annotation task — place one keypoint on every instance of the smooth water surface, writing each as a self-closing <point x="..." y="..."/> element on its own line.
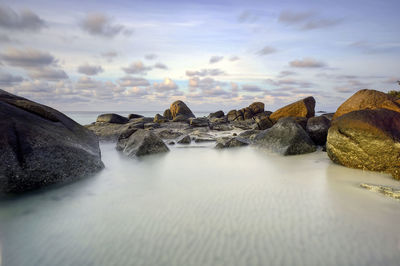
<point x="201" y="206"/>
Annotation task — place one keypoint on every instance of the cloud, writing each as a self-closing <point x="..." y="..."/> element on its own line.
<point x="136" y="68"/>
<point x="160" y="66"/>
<point x="267" y="50"/>
<point x="251" y="88"/>
<point x="306" y="20"/>
<point x="101" y="25"/>
<point x="26" y="20"/>
<point x="247" y="16"/>
<point x="167" y="85"/>
<point x="48" y="73"/>
<point x="283" y="74"/>
<point x="7" y="79"/>
<point x="27" y="58"/>
<point x="90" y="70"/>
<point x="374" y="48"/>
<point x="290" y="82"/>
<point x="109" y="55"/>
<point x="129" y="81"/>
<point x="215" y="59"/>
<point x="205" y="72"/>
<point x="150" y="56"/>
<point x="234" y="58"/>
<point x="307" y="63"/>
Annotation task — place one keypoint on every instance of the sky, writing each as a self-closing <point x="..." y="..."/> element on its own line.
<point x="128" y="55"/>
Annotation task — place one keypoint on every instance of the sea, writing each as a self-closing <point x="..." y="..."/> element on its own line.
<point x="200" y="206"/>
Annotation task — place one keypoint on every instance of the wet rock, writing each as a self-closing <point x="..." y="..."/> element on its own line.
<point x="217" y="114"/>
<point x="185" y="140"/>
<point x="317" y="129"/>
<point x="232" y="143"/>
<point x="199" y="122"/>
<point x="385" y="190"/>
<point x="263" y="122"/>
<point x="141" y="143"/>
<point x="302" y="108"/>
<point x="171" y="143"/>
<point x="112" y="118"/>
<point x="181" y="118"/>
<point x="286" y="137"/>
<point x="133" y="116"/>
<point x="168" y="115"/>
<point x="111" y="131"/>
<point x="249" y="134"/>
<point x="168" y="133"/>
<point x="151" y="126"/>
<point x="160" y="119"/>
<point x="40" y="146"/>
<point x="366" y="139"/>
<point x="245" y="124"/>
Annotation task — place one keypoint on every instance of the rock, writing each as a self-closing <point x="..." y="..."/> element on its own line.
<point x="385" y="190"/>
<point x="160" y="119"/>
<point x="244" y="124"/>
<point x="221" y="127"/>
<point x="171" y="143"/>
<point x="366" y="139"/>
<point x="257" y="107"/>
<point x="221" y="120"/>
<point x="199" y="122"/>
<point x="247" y="113"/>
<point x="286" y="137"/>
<point x="367" y="99"/>
<point x="151" y="126"/>
<point x="112" y="118"/>
<point x="317" y="129"/>
<point x="111" y="131"/>
<point x="141" y="143"/>
<point x="199" y="140"/>
<point x="249" y="134"/>
<point x="231" y="143"/>
<point x="263" y="123"/>
<point x="180" y="108"/>
<point x="142" y="120"/>
<point x="181" y="118"/>
<point x="329" y="115"/>
<point x="217" y="114"/>
<point x="234" y="115"/>
<point x="302" y="108"/>
<point x="133" y="116"/>
<point x="40" y="146"/>
<point x="302" y="121"/>
<point x="167" y="133"/>
<point x="234" y="134"/>
<point x="167" y="114"/>
<point x="185" y="140"/>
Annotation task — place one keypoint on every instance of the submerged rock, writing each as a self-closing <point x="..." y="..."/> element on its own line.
<point x="112" y="118"/>
<point x="286" y="137"/>
<point x="385" y="190"/>
<point x="317" y="128"/>
<point x="366" y="139"/>
<point x="302" y="108"/>
<point x="231" y="143"/>
<point x="185" y="140"/>
<point x="40" y="146"/>
<point x="367" y="99"/>
<point x="140" y="143"/>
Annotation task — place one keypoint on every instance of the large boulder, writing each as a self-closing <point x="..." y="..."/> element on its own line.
<point x="159" y="119"/>
<point x="286" y="137"/>
<point x="317" y="128"/>
<point x="141" y="142"/>
<point x="112" y="118"/>
<point x="257" y="107"/>
<point x="233" y="115"/>
<point x="40" y="146"/>
<point x="366" y="139"/>
<point x="180" y="108"/>
<point x="167" y="114"/>
<point x="367" y="99"/>
<point x="217" y="114"/>
<point x="302" y="108"/>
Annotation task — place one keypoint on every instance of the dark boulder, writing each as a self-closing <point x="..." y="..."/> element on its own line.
<point x="133" y="116"/>
<point x="168" y="115"/>
<point x="160" y="119"/>
<point x="231" y="143"/>
<point x="217" y="114"/>
<point x="286" y="137"/>
<point x="180" y="108"/>
<point x="181" y="118"/>
<point x="263" y="122"/>
<point x="317" y="128"/>
<point x="112" y="118"/>
<point x="40" y="146"/>
<point x="140" y="143"/>
<point x="199" y="122"/>
<point x="257" y="107"/>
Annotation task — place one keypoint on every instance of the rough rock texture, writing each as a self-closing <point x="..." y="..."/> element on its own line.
<point x="111" y="131"/>
<point x="286" y="137"/>
<point x="257" y="107"/>
<point x="317" y="129"/>
<point x="140" y="143"/>
<point x="217" y="114"/>
<point x="199" y="122"/>
<point x="263" y="123"/>
<point x="180" y="108"/>
<point x="185" y="140"/>
<point x="167" y="114"/>
<point x="366" y="139"/>
<point x="40" y="146"/>
<point x="302" y="108"/>
<point x="160" y="119"/>
<point x="112" y="118"/>
<point x="231" y="143"/>
<point x="367" y="99"/>
<point x="133" y="116"/>
<point x="181" y="118"/>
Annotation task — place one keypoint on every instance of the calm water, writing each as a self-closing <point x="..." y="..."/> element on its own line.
<point x="200" y="206"/>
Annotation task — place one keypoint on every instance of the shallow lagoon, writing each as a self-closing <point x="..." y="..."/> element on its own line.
<point x="200" y="206"/>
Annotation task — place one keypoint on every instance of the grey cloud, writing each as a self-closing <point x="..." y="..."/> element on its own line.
<point x="291" y="82"/>
<point x="205" y="72"/>
<point x="26" y="20"/>
<point x="136" y="68"/>
<point x="27" y="58"/>
<point x="167" y="85"/>
<point x="7" y="79"/>
<point x="48" y="73"/>
<point x="251" y="88"/>
<point x="306" y="20"/>
<point x="374" y="48"/>
<point x="90" y="70"/>
<point x="283" y="74"/>
<point x="267" y="50"/>
<point x="109" y="55"/>
<point x="160" y="66"/>
<point x="234" y="58"/>
<point x="150" y="56"/>
<point x="101" y="25"/>
<point x="129" y="81"/>
<point x="307" y="63"/>
<point x="215" y="59"/>
<point x="247" y="16"/>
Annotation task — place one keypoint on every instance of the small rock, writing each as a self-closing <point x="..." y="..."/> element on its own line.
<point x="185" y="140"/>
<point x="133" y="116"/>
<point x="385" y="190"/>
